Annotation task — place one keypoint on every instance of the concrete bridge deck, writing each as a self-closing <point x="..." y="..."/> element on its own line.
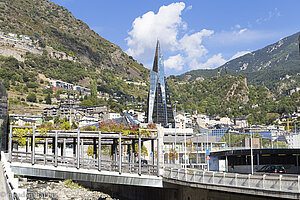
<point x="87" y="175"/>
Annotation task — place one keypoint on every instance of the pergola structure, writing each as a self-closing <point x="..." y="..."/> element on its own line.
<point x="77" y="139"/>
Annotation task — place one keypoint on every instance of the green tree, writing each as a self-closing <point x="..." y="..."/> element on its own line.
<point x="31" y="97"/>
<point x="65" y="126"/>
<point x="48" y="99"/>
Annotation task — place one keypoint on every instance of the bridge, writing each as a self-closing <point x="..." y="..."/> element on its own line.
<point x="119" y="170"/>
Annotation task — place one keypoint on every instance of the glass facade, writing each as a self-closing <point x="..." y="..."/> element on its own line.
<point x="159" y="104"/>
<point x="3" y="119"/>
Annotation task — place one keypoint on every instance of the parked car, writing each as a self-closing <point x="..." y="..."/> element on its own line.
<point x="272" y="169"/>
<point x="144" y="162"/>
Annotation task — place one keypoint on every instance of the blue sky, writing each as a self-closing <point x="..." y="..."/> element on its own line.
<point x="194" y="34"/>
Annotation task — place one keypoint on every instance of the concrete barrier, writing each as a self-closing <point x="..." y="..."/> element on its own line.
<point x="12" y="183"/>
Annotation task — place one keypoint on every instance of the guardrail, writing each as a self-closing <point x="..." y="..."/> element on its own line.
<point x="271" y="182"/>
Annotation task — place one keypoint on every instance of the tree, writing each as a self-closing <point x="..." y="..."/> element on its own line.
<point x="48" y="99"/>
<point x="65" y="126"/>
<point x="173" y="155"/>
<point x="31" y="97"/>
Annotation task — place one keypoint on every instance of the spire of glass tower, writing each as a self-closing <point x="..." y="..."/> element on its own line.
<point x="159" y="104"/>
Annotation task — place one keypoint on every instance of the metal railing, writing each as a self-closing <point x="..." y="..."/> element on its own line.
<point x="271" y="182"/>
<point x="85" y="163"/>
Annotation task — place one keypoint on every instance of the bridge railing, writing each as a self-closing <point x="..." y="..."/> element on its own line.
<point x="273" y="182"/>
<point x="85" y="163"/>
<point x="88" y="149"/>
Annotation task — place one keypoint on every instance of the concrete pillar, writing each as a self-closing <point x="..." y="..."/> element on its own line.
<point x="46" y="146"/>
<point x="33" y="146"/>
<point x="133" y="151"/>
<point x="99" y="151"/>
<point x="82" y="149"/>
<point x="10" y="144"/>
<point x="56" y="149"/>
<point x="140" y="152"/>
<point x="45" y="150"/>
<point x="78" y="148"/>
<point x="64" y="147"/>
<point x="120" y="153"/>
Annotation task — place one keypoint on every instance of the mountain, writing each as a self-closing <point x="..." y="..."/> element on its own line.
<point x="47" y="39"/>
<point x="231" y="96"/>
<point x="276" y="66"/>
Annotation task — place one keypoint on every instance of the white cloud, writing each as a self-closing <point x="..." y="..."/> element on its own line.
<point x="192" y="44"/>
<point x="148" y="28"/>
<point x="243" y="30"/>
<point x="175" y="62"/>
<point x="213" y="62"/>
<point x="239" y="54"/>
<point x="175" y="38"/>
<point x="189" y="8"/>
<point x="271" y="14"/>
<point x="238" y="26"/>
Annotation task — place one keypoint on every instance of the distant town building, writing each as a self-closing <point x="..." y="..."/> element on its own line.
<point x="86" y="121"/>
<point x="68" y="86"/>
<point x="111" y="116"/>
<point x="247" y="143"/>
<point x="293" y="140"/>
<point x="240" y="122"/>
<point x="159" y="104"/>
<point x="22" y="120"/>
<point x="183" y="120"/>
<point x="292" y="90"/>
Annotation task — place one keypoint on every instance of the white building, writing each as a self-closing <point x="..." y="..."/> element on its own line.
<point x="85" y="121"/>
<point x="183" y="121"/>
<point x="293" y="140"/>
<point x="111" y="116"/>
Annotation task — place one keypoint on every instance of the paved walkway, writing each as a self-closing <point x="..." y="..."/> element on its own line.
<point x="3" y="189"/>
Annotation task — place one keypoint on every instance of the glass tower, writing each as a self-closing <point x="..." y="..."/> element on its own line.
<point x="159" y="104"/>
